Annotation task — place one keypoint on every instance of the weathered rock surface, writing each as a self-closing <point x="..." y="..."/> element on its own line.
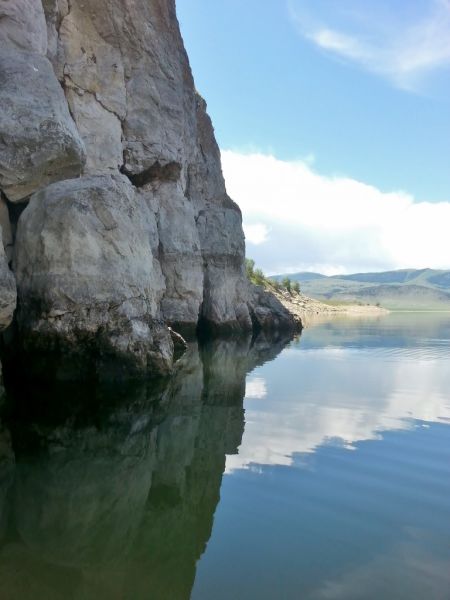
<point x="39" y="142"/>
<point x="7" y="290"/>
<point x="179" y="253"/>
<point x="227" y="293"/>
<point x="23" y="26"/>
<point x="87" y="278"/>
<point x="104" y="263"/>
<point x="101" y="132"/>
<point x="5" y="224"/>
<point x="268" y="312"/>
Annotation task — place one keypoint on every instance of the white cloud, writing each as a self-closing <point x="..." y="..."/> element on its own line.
<point x="255" y="388"/>
<point x="351" y="405"/>
<point x="297" y="219"/>
<point x="339" y="42"/>
<point x="403" y="46"/>
<point x="256" y="233"/>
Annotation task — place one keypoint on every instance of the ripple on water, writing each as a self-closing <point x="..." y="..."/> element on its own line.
<point x="342" y="483"/>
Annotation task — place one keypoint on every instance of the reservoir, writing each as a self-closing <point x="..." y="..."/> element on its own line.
<point x="317" y="468"/>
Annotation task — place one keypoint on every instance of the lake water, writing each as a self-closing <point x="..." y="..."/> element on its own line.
<point x="318" y="469"/>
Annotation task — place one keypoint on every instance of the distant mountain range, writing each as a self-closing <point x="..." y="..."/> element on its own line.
<point x="406" y="289"/>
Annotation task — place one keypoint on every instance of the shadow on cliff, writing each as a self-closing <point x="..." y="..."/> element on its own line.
<point x="111" y="492"/>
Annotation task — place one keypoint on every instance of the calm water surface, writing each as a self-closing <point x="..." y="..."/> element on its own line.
<point x="314" y="470"/>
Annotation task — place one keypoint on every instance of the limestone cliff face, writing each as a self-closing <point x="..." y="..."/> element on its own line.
<point x="128" y="227"/>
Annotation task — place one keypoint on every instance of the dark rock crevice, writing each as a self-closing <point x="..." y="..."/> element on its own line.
<point x="156" y="173"/>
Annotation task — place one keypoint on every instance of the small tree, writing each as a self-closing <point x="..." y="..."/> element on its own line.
<point x="276" y="284"/>
<point x="286" y="283"/>
<point x="250" y="268"/>
<point x="296" y="287"/>
<point x="258" y="277"/>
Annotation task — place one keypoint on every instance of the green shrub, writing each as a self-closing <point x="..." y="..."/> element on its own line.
<point x="286" y="283"/>
<point x="250" y="268"/>
<point x="276" y="284"/>
<point x="258" y="277"/>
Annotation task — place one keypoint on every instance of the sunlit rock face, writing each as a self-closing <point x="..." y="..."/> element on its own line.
<point x="116" y="486"/>
<point x="88" y="282"/>
<point x="39" y="142"/>
<point x="93" y="89"/>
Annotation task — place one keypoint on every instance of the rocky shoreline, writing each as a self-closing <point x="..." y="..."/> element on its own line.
<point x="115" y="219"/>
<point x="307" y="310"/>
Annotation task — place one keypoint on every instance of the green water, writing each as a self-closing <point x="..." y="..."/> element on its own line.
<point x="314" y="470"/>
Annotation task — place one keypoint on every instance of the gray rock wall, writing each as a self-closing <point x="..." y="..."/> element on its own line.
<point x="128" y="226"/>
<point x="87" y="279"/>
<point x="7" y="289"/>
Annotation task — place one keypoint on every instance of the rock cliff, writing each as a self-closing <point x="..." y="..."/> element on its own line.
<point x="113" y="207"/>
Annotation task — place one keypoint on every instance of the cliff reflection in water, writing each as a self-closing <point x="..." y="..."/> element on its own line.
<point x="113" y="492"/>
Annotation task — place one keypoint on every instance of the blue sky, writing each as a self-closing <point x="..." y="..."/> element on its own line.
<point x="354" y="89"/>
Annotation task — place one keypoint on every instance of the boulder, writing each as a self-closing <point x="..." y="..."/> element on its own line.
<point x="23" y="26"/>
<point x="268" y="314"/>
<point x="39" y="142"/>
<point x="88" y="284"/>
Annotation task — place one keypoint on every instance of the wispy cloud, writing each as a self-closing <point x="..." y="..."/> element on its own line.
<point x="299" y="220"/>
<point x="404" y="46"/>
